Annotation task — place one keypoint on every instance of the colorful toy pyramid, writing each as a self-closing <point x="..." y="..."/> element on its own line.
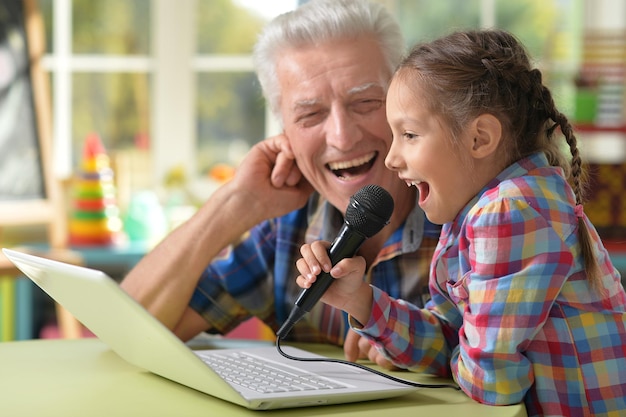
<point x="95" y="219"/>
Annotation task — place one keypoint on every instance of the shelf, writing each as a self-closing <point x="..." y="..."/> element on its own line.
<point x="588" y="128"/>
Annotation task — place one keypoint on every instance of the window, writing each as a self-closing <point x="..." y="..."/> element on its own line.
<point x="229" y="107"/>
<point x="169" y="85"/>
<point x="100" y="67"/>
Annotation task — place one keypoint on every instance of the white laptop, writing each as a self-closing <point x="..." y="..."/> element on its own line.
<point x="127" y="328"/>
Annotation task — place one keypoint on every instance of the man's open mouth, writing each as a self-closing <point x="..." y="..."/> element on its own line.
<point x="353" y="168"/>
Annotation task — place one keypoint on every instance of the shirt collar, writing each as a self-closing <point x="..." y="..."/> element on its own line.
<point x="325" y="221"/>
<point x="517" y="169"/>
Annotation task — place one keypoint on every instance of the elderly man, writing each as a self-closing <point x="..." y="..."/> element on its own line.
<point x="324" y="70"/>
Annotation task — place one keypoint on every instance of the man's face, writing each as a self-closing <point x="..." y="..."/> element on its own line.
<point x="333" y="110"/>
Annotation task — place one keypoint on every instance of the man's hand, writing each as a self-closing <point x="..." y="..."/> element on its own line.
<point x="285" y="171"/>
<point x="356" y="347"/>
<point x="270" y="175"/>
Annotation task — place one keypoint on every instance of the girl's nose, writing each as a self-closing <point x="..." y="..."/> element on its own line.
<point x="394" y="160"/>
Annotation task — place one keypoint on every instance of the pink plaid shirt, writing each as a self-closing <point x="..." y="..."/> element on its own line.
<point x="512" y="316"/>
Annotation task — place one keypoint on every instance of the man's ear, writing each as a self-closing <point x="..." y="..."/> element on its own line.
<point x="487" y="134"/>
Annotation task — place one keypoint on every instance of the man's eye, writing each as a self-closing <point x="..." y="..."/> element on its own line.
<point x="310" y="118"/>
<point x="306" y="116"/>
<point x="366" y="106"/>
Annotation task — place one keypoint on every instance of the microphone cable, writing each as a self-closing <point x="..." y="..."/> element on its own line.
<point x="366" y="368"/>
<point x="369" y="211"/>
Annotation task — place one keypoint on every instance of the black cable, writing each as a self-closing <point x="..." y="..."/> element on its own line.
<point x="358" y="365"/>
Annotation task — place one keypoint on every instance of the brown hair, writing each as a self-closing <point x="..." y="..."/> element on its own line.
<point x="469" y="73"/>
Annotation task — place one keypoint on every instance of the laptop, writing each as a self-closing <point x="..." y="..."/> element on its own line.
<point x="98" y="302"/>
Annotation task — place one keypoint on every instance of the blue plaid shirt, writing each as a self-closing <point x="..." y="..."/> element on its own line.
<point x="256" y="276"/>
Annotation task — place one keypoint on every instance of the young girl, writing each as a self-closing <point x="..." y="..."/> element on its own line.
<point x="526" y="305"/>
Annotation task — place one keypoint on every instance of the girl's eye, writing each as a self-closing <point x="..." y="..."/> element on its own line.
<point x="409" y="135"/>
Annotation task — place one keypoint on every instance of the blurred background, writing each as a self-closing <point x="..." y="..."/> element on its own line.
<point x="166" y="89"/>
<point x="169" y="85"/>
<point x="169" y="88"/>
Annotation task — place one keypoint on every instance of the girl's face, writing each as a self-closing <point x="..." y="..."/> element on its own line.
<point x="424" y="156"/>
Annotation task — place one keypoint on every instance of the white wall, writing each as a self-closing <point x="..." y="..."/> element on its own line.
<point x="605" y="14"/>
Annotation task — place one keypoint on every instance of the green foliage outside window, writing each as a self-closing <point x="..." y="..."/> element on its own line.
<point x="230" y="113"/>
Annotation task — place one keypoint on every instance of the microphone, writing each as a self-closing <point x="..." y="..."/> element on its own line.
<point x="368" y="212"/>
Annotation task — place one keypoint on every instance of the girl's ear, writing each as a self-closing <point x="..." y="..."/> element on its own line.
<point x="487" y="131"/>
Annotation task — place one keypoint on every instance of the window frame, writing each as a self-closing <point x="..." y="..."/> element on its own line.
<point x="173" y="65"/>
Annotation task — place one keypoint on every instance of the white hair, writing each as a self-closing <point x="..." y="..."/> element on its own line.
<point x="320" y="21"/>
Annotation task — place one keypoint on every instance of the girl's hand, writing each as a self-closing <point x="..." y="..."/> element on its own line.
<point x="357" y="347"/>
<point x="349" y="292"/>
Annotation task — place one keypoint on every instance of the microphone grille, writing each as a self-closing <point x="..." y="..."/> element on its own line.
<point x="369" y="210"/>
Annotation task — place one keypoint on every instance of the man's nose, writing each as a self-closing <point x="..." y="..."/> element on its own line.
<point x="342" y="131"/>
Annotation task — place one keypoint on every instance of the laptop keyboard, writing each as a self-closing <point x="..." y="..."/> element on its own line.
<point x="264" y="376"/>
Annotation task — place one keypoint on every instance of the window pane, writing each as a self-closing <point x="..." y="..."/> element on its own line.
<point x="46" y="7"/>
<point x="225" y="28"/>
<point x="542" y="25"/>
<point x="111" y="27"/>
<point x="231" y="117"/>
<point x="550" y="29"/>
<point x="426" y="19"/>
<point x="113" y="105"/>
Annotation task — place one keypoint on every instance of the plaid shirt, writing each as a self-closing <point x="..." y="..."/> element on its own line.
<point x="256" y="276"/>
<point x="512" y="316"/>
